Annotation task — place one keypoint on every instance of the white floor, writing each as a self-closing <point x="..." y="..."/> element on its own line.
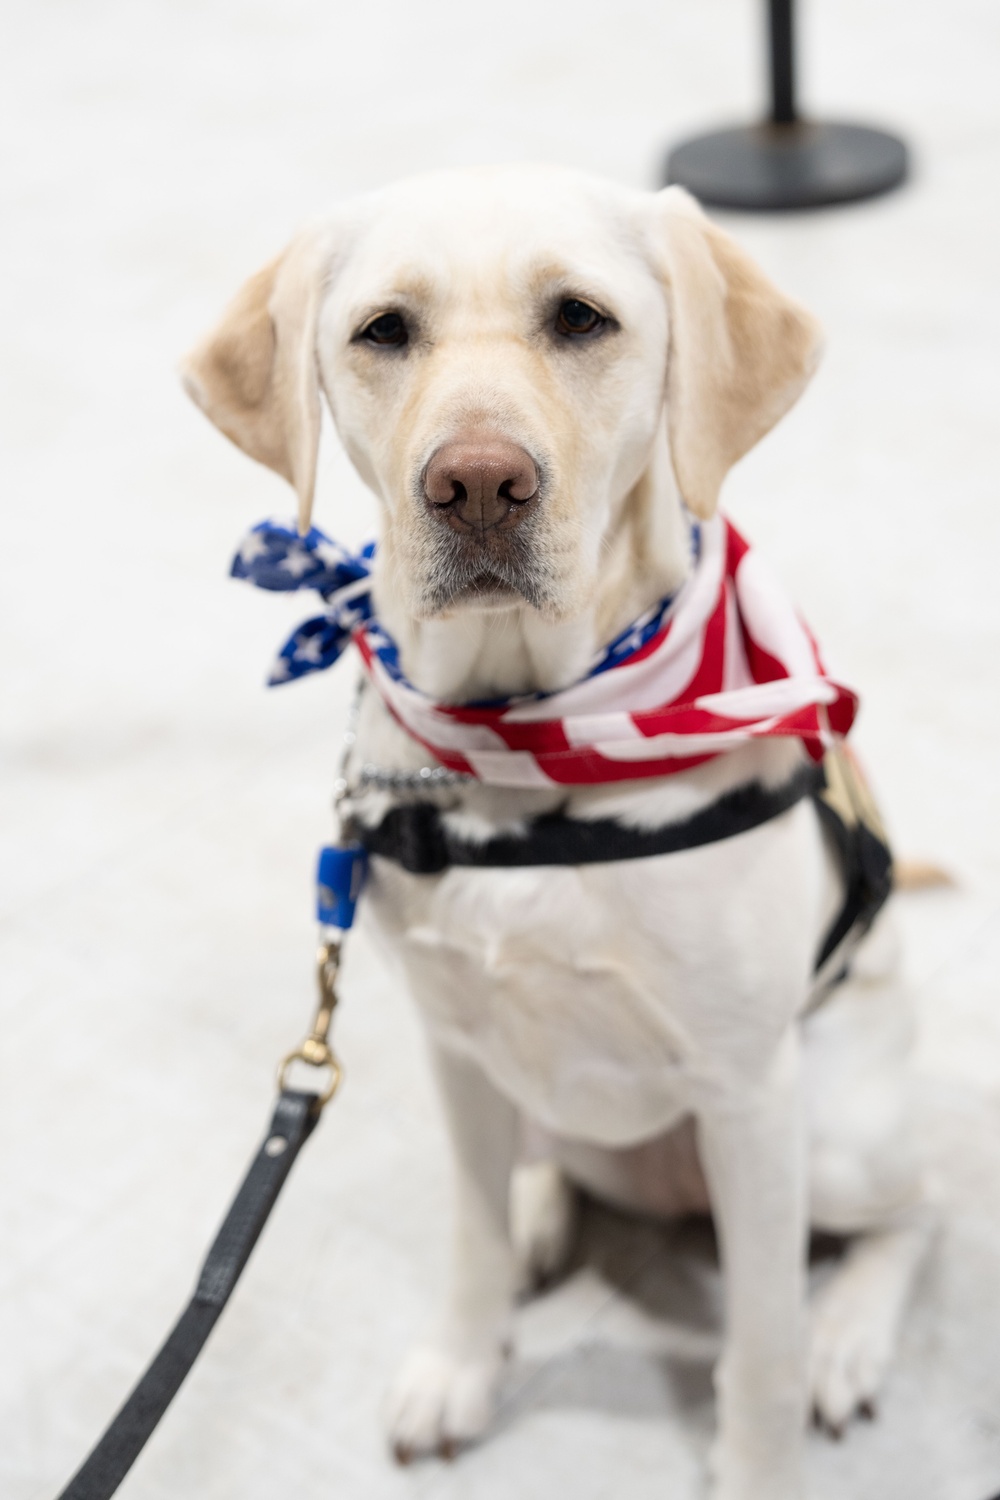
<point x="160" y="810"/>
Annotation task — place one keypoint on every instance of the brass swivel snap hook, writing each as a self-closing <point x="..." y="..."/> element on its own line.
<point x="316" y="1051"/>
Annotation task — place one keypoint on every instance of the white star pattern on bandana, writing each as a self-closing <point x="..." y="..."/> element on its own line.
<point x="252" y="547"/>
<point x="310" y="651"/>
<point x="297" y="563"/>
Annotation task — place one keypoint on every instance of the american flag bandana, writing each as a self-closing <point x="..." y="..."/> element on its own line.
<point x="724" y="661"/>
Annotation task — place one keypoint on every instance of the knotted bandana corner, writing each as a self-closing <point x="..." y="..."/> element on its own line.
<point x="278" y="558"/>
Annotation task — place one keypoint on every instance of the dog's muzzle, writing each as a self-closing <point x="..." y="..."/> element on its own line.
<point x="481" y="492"/>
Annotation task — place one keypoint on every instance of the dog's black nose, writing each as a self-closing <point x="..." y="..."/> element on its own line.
<point x="479" y="481"/>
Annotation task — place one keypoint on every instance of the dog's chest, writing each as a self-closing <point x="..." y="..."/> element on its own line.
<point x="600" y="998"/>
<point x="533" y="973"/>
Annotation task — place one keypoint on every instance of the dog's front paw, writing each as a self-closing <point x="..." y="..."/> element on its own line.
<point x="756" y="1484"/>
<point x="440" y="1401"/>
<point x="750" y="1469"/>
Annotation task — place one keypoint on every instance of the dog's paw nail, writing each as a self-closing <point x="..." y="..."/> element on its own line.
<point x="402" y="1454"/>
<point x="868" y="1410"/>
<point x="822" y="1423"/>
<point x="448" y="1449"/>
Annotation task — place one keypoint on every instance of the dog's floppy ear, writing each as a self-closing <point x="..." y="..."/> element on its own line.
<point x="741" y="352"/>
<point x="256" y="375"/>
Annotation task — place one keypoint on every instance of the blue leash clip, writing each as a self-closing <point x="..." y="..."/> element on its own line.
<point x="340" y="876"/>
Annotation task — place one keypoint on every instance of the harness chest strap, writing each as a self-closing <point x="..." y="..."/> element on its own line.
<point x="417" y="837"/>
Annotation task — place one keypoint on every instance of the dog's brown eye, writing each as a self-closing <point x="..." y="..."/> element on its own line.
<point x="578" y="317"/>
<point x="388" y="328"/>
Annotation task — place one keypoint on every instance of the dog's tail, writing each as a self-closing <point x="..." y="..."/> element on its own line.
<point x="921" y="875"/>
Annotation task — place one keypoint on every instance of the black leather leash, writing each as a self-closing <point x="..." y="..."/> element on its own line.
<point x="292" y="1123"/>
<point x="295" y="1116"/>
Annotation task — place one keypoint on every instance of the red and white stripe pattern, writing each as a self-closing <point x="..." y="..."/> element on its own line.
<point x="733" y="662"/>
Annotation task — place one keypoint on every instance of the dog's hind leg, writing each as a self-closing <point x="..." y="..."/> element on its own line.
<point x="856" y="1319"/>
<point x="544" y="1209"/>
<point x="866" y="1181"/>
<point x="445" y="1393"/>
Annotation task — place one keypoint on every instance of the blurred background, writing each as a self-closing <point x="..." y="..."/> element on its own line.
<point x="159" y="810"/>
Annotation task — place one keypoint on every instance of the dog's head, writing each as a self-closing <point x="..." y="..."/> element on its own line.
<point x="499" y="349"/>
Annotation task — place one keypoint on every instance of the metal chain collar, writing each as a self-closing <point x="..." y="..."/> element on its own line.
<point x="371" y="778"/>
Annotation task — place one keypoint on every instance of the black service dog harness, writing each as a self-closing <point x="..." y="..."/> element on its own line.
<point x="416" y="835"/>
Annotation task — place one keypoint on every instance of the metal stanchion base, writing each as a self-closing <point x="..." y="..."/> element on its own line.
<point x="802" y="165"/>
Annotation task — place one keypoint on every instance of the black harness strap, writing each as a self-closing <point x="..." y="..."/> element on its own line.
<point x="294" y="1118"/>
<point x="416" y="836"/>
<point x="849" y="815"/>
<point x="867" y="866"/>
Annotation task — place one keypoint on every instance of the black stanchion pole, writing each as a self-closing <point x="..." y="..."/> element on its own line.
<point x="782" y="39"/>
<point x="787" y="161"/>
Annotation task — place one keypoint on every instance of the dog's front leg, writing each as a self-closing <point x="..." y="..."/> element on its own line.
<point x="445" y="1392"/>
<point x="753" y="1152"/>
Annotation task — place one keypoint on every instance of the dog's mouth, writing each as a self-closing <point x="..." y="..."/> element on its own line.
<point x="460" y="576"/>
<point x="485" y="587"/>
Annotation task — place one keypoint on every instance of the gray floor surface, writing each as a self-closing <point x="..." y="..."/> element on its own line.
<point x="160" y="810"/>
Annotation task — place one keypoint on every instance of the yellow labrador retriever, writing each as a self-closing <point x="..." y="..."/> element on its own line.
<point x="543" y="377"/>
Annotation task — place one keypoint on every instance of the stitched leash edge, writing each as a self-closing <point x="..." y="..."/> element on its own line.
<point x="99" y="1476"/>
